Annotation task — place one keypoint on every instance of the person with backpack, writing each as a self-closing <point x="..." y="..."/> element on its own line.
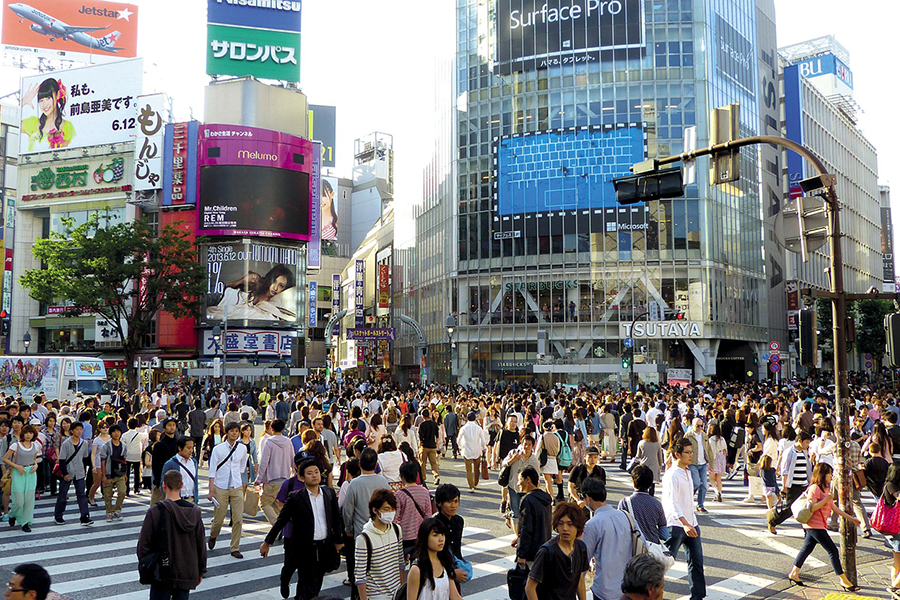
<point x="316" y="537"/>
<point x="113" y="469"/>
<point x="413" y="505"/>
<point x="561" y="563"/>
<point x="72" y="454"/>
<point x="175" y="527"/>
<point x="378" y="553"/>
<point x="355" y="508"/>
<point x="431" y="576"/>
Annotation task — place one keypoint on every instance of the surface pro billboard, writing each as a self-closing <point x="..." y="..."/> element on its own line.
<point x="254" y="183"/>
<point x="536" y="34"/>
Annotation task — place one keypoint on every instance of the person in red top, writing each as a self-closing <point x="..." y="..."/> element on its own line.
<point x="821" y="503"/>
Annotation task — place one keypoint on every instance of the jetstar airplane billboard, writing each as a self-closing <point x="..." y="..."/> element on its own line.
<point x="83" y="31"/>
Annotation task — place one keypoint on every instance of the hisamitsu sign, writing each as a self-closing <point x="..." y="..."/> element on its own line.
<point x="662" y="330"/>
<point x="384" y="333"/>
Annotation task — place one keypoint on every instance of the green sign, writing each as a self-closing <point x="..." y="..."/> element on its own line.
<point x="262" y="53"/>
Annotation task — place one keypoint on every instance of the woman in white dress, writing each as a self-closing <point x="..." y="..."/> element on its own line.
<point x="432" y="565"/>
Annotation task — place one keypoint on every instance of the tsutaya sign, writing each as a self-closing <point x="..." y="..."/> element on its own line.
<point x="662" y="329"/>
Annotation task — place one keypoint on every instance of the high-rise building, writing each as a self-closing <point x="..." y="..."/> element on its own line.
<point x="551" y="101"/>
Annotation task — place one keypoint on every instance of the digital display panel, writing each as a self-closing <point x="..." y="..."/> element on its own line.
<point x="564" y="170"/>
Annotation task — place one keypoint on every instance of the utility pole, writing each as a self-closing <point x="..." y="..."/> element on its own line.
<point x="648" y="185"/>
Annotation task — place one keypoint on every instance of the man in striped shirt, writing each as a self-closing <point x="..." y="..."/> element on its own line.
<point x="795" y="471"/>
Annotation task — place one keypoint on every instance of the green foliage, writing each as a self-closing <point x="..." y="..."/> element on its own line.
<point x="123" y="272"/>
<point x="870" y="334"/>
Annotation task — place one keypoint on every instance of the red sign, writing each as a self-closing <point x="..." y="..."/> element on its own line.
<point x="384" y="279"/>
<point x="9" y="257"/>
<point x="793" y="295"/>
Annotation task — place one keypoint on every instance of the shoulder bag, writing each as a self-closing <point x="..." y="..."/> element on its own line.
<point x="153" y="567"/>
<point x="638" y="546"/>
<point x="657" y="550"/>
<point x="800" y="508"/>
<point x="886" y="519"/>
<point x="58" y="467"/>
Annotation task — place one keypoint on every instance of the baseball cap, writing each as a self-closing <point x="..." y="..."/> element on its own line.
<point x="592" y="450"/>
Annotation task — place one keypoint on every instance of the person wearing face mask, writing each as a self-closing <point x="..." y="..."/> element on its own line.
<point x="378" y="554"/>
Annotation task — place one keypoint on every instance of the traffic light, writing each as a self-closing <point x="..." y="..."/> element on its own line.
<point x="809" y="344"/>
<point x="4" y="322"/>
<point x="649" y="183"/>
<point x="626" y="362"/>
<point x="892" y="333"/>
<point x="256" y="360"/>
<point x="724" y="126"/>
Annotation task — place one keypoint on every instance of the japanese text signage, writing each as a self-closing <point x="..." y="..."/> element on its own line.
<point x="383" y="333"/>
<point x="360" y="293"/>
<point x="249" y="341"/>
<point x="85" y="107"/>
<point x="148" y="148"/>
<point x="241" y="51"/>
<point x="282" y="15"/>
<point x="96" y="32"/>
<point x="74" y="178"/>
<point x="180" y="164"/>
<point x="384" y="286"/>
<point x="313" y="299"/>
<point x="336" y="301"/>
<point x="537" y="34"/>
<point x="314" y="260"/>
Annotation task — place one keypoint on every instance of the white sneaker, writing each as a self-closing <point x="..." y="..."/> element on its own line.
<point x="749" y="500"/>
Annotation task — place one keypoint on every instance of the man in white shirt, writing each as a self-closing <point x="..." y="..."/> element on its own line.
<point x="472" y="441"/>
<point x="678" y="505"/>
<point x="226" y="463"/>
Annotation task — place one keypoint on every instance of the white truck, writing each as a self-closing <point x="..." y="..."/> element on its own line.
<point x="57" y="376"/>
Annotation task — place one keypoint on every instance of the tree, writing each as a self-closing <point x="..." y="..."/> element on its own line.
<point x="870" y="334"/>
<point x="123" y="272"/>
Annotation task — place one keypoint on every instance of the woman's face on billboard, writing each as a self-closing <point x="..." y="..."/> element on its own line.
<point x="277" y="286"/>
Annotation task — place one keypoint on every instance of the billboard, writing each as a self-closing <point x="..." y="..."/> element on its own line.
<point x="826" y="64"/>
<point x="314" y="257"/>
<point x="323" y="128"/>
<point x="80" y="107"/>
<point x="336" y="301"/>
<point x="72" y="178"/>
<point x="887" y="250"/>
<point x="735" y="58"/>
<point x="65" y="30"/>
<point x="180" y="164"/>
<point x="263" y="342"/>
<point x="148" y="162"/>
<point x="30" y="376"/>
<point x="537" y="34"/>
<point x="251" y="282"/>
<point x="254" y="182"/>
<point x="283" y="15"/>
<point x="793" y="122"/>
<point x="359" y="294"/>
<point x="328" y="212"/>
<point x="564" y="169"/>
<point x="262" y="53"/>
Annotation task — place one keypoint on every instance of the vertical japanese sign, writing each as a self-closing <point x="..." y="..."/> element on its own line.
<point x="360" y="295"/>
<point x="793" y="120"/>
<point x="315" y="230"/>
<point x="384" y="279"/>
<point x="7" y="279"/>
<point x="313" y="299"/>
<point x="180" y="164"/>
<point x="148" y="160"/>
<point x="336" y="301"/>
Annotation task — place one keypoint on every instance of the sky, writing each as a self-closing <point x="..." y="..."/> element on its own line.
<point x="375" y="61"/>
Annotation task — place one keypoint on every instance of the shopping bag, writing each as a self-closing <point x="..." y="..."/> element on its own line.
<point x="251" y="502"/>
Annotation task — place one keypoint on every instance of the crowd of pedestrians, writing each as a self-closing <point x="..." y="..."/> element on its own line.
<point x="354" y="476"/>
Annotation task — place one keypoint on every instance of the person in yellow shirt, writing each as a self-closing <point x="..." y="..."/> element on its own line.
<point x="264" y="398"/>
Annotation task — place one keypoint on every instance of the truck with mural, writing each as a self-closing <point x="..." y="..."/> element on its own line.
<point x="59" y="377"/>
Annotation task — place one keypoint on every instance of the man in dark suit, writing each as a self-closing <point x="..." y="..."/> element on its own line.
<point x="317" y="538"/>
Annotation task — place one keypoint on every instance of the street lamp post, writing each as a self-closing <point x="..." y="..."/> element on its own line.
<point x="26" y="339"/>
<point x="451" y="327"/>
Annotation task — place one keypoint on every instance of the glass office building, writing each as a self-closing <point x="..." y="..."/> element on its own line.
<point x="556" y="97"/>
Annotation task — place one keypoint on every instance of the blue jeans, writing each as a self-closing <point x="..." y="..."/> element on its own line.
<point x="80" y="496"/>
<point x="821" y="537"/>
<point x="514" y="499"/>
<point x="694" y="550"/>
<point x="701" y="482"/>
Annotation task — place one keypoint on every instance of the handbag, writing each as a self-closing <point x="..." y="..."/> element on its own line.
<point x="153" y="567"/>
<point x="859" y="479"/>
<point x="658" y="550"/>
<point x="515" y="580"/>
<point x="886" y="519"/>
<point x="485" y="473"/>
<point x="800" y="509"/>
<point x="466" y="566"/>
<point x="58" y="467"/>
<point x="503" y="477"/>
<point x="251" y="501"/>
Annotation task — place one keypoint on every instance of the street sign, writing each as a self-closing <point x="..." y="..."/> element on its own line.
<point x="628" y="342"/>
<point x="765" y="356"/>
<point x="775" y="358"/>
<point x="774" y="346"/>
<point x="775" y="367"/>
<point x="338" y="371"/>
<point x="868" y="364"/>
<point x="868" y="356"/>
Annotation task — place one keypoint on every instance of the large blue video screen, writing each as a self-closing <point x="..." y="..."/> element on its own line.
<point x="566" y="169"/>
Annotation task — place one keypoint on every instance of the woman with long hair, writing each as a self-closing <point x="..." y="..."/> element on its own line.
<point x="390" y="459"/>
<point x="317" y="449"/>
<point x="432" y="565"/>
<point x="102" y="437"/>
<point x="821" y="503"/>
<point x="889" y="496"/>
<point x="375" y="431"/>
<point x="50" y="130"/>
<point x="718" y="459"/>
<point x="215" y="433"/>
<point x="50" y="438"/>
<point x="880" y="435"/>
<point x="249" y="473"/>
<point x="22" y="457"/>
<point x="650" y="454"/>
<point x="406" y="433"/>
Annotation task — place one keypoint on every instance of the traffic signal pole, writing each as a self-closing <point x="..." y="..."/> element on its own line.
<point x="838" y="313"/>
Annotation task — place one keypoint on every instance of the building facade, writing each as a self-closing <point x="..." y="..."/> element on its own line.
<point x="552" y="273"/>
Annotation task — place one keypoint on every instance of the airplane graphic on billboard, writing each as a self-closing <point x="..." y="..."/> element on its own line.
<point x="54" y="28"/>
